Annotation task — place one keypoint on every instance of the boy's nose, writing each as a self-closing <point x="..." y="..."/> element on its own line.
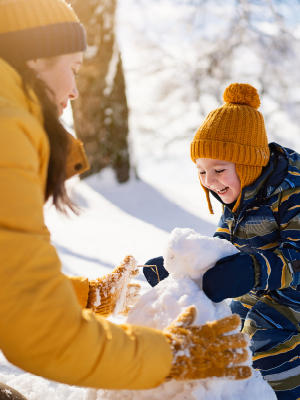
<point x="209" y="179"/>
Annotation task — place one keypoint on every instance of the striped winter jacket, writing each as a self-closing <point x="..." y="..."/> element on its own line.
<point x="267" y="225"/>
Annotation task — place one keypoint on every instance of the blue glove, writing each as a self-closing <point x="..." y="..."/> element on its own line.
<point x="152" y="275"/>
<point x="231" y="277"/>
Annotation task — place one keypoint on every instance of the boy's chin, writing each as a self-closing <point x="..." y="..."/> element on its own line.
<point x="228" y="200"/>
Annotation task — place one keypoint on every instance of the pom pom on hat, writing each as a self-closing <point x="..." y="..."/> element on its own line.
<point x="242" y="93"/>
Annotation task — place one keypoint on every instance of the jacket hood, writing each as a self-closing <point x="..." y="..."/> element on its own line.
<point x="287" y="171"/>
<point x="11" y="91"/>
<point x="281" y="173"/>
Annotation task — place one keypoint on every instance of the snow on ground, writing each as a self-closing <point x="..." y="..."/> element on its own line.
<point x="134" y="218"/>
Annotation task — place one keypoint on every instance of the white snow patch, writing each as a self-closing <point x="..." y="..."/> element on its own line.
<point x="126" y="279"/>
<point x="91" y="52"/>
<point x="189" y="253"/>
<point x="112" y="70"/>
<point x="98" y="298"/>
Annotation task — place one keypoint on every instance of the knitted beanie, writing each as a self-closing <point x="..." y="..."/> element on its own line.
<point x="236" y="133"/>
<point x="31" y="29"/>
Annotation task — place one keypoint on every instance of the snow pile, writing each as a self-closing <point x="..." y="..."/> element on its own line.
<point x="36" y="388"/>
<point x="189" y="254"/>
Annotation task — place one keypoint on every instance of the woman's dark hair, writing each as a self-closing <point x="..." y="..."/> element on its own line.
<point x="57" y="134"/>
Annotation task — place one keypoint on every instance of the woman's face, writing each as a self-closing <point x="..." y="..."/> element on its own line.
<point x="59" y="75"/>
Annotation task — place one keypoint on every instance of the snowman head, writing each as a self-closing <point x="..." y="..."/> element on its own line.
<point x="191" y="254"/>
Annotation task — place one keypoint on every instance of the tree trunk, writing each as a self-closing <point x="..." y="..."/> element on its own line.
<point x="101" y="112"/>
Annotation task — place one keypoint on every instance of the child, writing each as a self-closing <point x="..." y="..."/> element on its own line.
<point x="259" y="187"/>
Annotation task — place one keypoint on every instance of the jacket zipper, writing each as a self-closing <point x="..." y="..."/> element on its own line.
<point x="232" y="229"/>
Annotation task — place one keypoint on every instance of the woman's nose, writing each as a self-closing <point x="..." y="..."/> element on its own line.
<point x="74" y="94"/>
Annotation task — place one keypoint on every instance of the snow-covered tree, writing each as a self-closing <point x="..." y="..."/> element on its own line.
<point x="101" y="112"/>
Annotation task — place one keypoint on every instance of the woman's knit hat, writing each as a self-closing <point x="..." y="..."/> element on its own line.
<point x="236" y="133"/>
<point x="31" y="29"/>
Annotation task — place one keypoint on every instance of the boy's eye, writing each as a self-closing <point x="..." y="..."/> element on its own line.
<point x="220" y="171"/>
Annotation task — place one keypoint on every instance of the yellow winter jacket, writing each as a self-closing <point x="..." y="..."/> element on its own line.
<point x="43" y="328"/>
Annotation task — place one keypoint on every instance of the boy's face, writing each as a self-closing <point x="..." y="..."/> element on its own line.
<point x="220" y="177"/>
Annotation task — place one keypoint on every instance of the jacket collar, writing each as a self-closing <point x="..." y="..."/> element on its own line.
<point x="288" y="176"/>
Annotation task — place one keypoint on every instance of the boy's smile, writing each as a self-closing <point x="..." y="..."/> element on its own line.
<point x="220" y="177"/>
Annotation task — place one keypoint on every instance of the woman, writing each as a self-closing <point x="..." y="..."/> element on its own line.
<point x="44" y="327"/>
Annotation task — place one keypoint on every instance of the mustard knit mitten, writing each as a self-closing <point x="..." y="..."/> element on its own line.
<point x="203" y="351"/>
<point x="113" y="293"/>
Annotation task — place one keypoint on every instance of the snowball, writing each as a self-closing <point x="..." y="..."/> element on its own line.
<point x="191" y="254"/>
<point x="162" y="304"/>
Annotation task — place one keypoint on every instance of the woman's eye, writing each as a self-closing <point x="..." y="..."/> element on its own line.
<point x="201" y="172"/>
<point x="220" y="171"/>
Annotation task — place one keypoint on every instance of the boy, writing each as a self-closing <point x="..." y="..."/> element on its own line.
<point x="259" y="187"/>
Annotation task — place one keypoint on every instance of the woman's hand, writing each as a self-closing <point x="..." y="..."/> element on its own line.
<point x="204" y="351"/>
<point x="114" y="292"/>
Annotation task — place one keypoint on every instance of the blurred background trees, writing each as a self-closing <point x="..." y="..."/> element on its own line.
<point x="178" y="57"/>
<point x="190" y="50"/>
<point x="100" y="113"/>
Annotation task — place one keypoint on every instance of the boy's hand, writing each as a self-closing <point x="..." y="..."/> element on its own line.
<point x="232" y="276"/>
<point x="203" y="351"/>
<point x="155" y="275"/>
<point x="105" y="292"/>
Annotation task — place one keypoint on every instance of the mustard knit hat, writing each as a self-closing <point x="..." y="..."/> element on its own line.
<point x="236" y="133"/>
<point x="31" y="29"/>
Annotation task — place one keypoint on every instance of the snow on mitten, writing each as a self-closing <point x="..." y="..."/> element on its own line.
<point x="132" y="296"/>
<point x="113" y="293"/>
<point x="203" y="351"/>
